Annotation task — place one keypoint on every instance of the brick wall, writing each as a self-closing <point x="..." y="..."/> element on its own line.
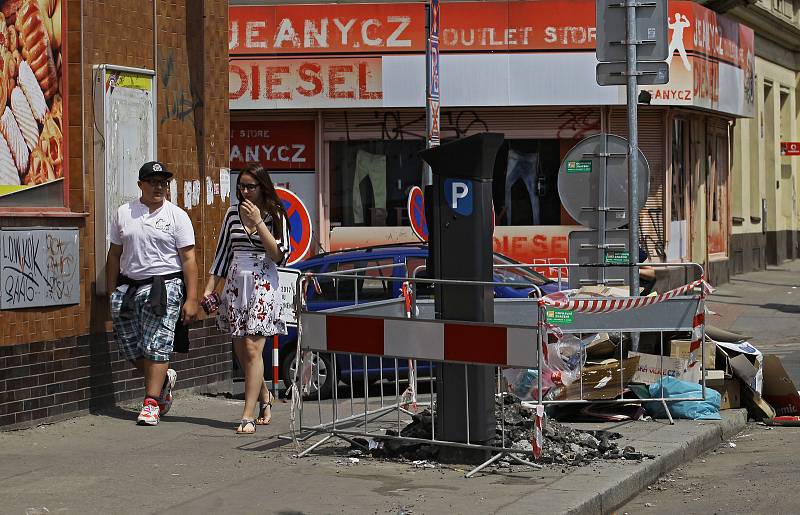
<point x="48" y="381"/>
<point x="50" y="366"/>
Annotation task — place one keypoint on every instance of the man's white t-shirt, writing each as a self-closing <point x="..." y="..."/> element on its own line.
<point x="150" y="241"/>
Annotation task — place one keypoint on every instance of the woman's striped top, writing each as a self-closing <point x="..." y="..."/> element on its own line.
<point x="233" y="238"/>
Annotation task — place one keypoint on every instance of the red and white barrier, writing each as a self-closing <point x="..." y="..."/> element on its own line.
<point x="484" y="344"/>
<point x="559" y="300"/>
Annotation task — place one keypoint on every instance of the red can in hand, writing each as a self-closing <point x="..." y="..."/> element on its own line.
<point x="210" y="303"/>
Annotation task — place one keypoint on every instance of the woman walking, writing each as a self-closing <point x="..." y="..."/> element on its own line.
<point x="253" y="241"/>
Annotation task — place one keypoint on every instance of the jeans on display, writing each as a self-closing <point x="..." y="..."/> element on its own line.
<point x="524" y="167"/>
<point x="374" y="167"/>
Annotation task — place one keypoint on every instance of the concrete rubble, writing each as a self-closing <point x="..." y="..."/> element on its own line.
<point x="561" y="445"/>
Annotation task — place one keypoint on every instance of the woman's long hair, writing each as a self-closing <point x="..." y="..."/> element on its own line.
<point x="269" y="197"/>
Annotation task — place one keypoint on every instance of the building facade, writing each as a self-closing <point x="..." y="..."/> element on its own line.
<point x="68" y="159"/>
<point x="765" y="181"/>
<point x="349" y="81"/>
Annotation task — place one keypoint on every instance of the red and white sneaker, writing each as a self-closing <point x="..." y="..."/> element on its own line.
<point x="149" y="414"/>
<point x="165" y="399"/>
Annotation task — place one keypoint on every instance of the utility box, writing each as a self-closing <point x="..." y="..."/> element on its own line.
<point x="459" y="212"/>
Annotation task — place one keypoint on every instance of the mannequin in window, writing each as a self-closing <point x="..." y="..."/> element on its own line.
<point x="372" y="167"/>
<point x="523" y="167"/>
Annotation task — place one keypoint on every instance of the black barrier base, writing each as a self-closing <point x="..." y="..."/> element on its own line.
<point x="461" y="456"/>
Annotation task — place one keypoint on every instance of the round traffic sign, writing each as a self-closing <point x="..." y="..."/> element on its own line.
<point x="416" y="213"/>
<point x="580" y="180"/>
<point x="299" y="225"/>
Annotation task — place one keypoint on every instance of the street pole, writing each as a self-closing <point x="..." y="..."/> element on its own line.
<point x="633" y="158"/>
<point x="431" y="84"/>
<point x="633" y="149"/>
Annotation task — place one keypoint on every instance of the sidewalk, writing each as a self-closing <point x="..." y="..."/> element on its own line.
<point x="193" y="463"/>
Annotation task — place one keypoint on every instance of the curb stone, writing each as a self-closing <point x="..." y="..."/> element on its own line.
<point x="628" y="487"/>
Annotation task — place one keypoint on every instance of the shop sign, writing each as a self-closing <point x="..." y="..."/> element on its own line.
<point x="39" y="268"/>
<point x="276" y="145"/>
<point x="711" y="62"/>
<point x="326" y="28"/>
<point x="790" y="148"/>
<point x="307" y="82"/>
<point x="543" y="245"/>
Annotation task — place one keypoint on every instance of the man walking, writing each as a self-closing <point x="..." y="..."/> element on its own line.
<point x="150" y="261"/>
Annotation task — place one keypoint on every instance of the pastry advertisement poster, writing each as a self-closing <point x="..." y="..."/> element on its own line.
<point x="32" y="145"/>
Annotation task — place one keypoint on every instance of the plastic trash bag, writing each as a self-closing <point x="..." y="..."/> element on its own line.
<point x="567" y="357"/>
<point x="693" y="410"/>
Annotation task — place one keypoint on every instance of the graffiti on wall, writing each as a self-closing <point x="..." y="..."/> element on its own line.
<point x="39" y="268"/>
<point x="393" y="127"/>
<point x="180" y="102"/>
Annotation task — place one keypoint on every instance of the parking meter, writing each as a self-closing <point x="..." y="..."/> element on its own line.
<point x="460" y="248"/>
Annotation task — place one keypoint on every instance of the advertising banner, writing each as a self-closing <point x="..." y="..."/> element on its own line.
<point x="528" y="53"/>
<point x="32" y="146"/>
<point x="284" y="145"/>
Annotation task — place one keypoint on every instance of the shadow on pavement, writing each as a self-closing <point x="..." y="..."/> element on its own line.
<point x="784" y="308"/>
<point x="120" y="413"/>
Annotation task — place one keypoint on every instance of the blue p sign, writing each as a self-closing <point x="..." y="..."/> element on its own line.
<point x="458" y="194"/>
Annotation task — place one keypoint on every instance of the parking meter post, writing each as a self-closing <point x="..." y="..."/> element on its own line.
<point x="460" y="247"/>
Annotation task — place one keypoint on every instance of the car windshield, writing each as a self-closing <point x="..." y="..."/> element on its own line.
<point x="520" y="275"/>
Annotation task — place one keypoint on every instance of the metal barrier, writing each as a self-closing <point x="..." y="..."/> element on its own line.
<point x="403" y="330"/>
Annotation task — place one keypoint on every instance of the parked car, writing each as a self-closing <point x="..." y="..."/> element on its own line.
<point x="400" y="261"/>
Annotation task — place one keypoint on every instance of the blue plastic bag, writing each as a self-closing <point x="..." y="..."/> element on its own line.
<point x="676" y="389"/>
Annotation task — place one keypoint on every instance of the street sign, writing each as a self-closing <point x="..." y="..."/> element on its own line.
<point x="589" y="165"/>
<point x="614" y="74"/>
<point x="432" y="104"/>
<point x="287" y="277"/>
<point x="458" y="194"/>
<point x="790" y="148"/>
<point x="583" y="249"/>
<point x="299" y="225"/>
<point x="651" y="30"/>
<point x="416" y="213"/>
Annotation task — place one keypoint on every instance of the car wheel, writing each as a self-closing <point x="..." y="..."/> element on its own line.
<point x="321" y="374"/>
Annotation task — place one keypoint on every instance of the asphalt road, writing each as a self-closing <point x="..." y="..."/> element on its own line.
<point x="756" y="472"/>
<point x="758" y="475"/>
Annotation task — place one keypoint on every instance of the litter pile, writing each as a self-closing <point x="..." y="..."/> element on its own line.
<point x="561" y="444"/>
<point x="603" y="366"/>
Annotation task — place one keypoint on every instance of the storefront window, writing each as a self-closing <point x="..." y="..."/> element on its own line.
<point x="371" y="179"/>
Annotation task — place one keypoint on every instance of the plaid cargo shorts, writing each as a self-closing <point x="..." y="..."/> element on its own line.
<point x="147" y="335"/>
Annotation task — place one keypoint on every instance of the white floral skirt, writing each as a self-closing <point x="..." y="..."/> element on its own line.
<point x="251" y="302"/>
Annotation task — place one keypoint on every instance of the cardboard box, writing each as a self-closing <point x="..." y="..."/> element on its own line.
<point x="779" y="390"/>
<point x="730" y="391"/>
<point x="652" y="368"/>
<point x="601" y="381"/>
<point x="680" y="349"/>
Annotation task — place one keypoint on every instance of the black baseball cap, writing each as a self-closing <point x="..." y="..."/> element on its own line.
<point x="153" y="168"/>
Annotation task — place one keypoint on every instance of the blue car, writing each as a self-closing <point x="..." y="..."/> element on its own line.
<point x="399" y="261"/>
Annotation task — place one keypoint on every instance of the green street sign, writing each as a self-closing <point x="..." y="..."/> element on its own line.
<point x="560" y="316"/>
<point x="618" y="257"/>
<point x="579" y="166"/>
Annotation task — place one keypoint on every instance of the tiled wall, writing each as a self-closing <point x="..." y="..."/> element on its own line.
<point x="48" y="381"/>
<point x="49" y="365"/>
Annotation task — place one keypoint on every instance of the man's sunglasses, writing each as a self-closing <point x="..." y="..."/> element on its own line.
<point x="247" y="187"/>
<point x="157" y="182"/>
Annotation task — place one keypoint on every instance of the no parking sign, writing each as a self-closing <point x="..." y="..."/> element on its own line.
<point x="416" y="213"/>
<point x="299" y="225"/>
